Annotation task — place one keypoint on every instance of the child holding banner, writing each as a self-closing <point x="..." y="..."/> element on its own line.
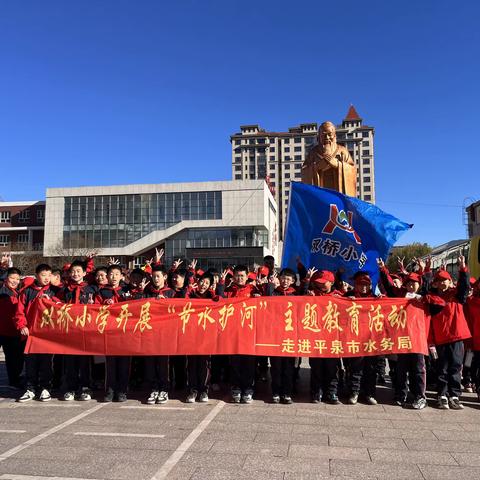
<point x="39" y="370"/>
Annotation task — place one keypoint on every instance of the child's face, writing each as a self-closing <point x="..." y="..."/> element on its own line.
<point x="442" y="285"/>
<point x="286" y="281"/>
<point x="44" y="277"/>
<point x="55" y="279"/>
<point x="397" y="282"/>
<point x="158" y="279"/>
<point x="13" y="280"/>
<point x="101" y="277"/>
<point x="240" y="278"/>
<point x="178" y="281"/>
<point x="114" y="277"/>
<point x="324" y="287"/>
<point x="412" y="287"/>
<point x="203" y="285"/>
<point x="362" y="287"/>
<point x="77" y="274"/>
<point x="136" y="279"/>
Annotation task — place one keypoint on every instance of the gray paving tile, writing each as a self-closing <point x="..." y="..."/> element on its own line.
<point x="470" y="459"/>
<point x="457" y="435"/>
<point x="286" y="464"/>
<point x="327" y="429"/>
<point x="442" y="445"/>
<point x="397" y="433"/>
<point x="213" y="460"/>
<point x="375" y="442"/>
<point x="438" y="472"/>
<point x="222" y="474"/>
<point x="359" y="422"/>
<point x="409" y="456"/>
<point x="362" y="470"/>
<point x="321" y="451"/>
<point x="319" y="476"/>
<point x="301" y="438"/>
<point x="242" y="447"/>
<point x="214" y="435"/>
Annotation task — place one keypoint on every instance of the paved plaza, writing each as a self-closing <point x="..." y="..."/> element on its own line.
<point x="219" y="440"/>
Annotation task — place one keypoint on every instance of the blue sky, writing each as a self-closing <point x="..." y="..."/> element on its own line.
<point x="108" y="92"/>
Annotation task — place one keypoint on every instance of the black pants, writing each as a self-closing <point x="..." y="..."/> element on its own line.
<point x="118" y="370"/>
<point x="323" y="376"/>
<point x="242" y="372"/>
<point x="219" y="368"/>
<point x="282" y="370"/>
<point x="77" y="372"/>
<point x="39" y="372"/>
<point x="14" y="358"/>
<point x="178" y="371"/>
<point x="157" y="373"/>
<point x="198" y="371"/>
<point x="362" y="375"/>
<point x="449" y="369"/>
<point x="410" y="372"/>
<point x="475" y="370"/>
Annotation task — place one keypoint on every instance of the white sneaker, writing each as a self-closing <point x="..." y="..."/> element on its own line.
<point x="162" y="398"/>
<point x="203" y="397"/>
<point x="26" y="397"/>
<point x="247" y="398"/>
<point x="455" y="404"/>
<point x="191" y="397"/>
<point x="442" y="402"/>
<point x="44" y="396"/>
<point x="68" y="396"/>
<point x="85" y="396"/>
<point x="236" y="396"/>
<point x="152" y="398"/>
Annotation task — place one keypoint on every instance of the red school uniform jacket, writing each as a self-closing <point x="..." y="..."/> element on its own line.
<point x="8" y="308"/>
<point x="247" y="291"/>
<point x="25" y="300"/>
<point x="450" y="324"/>
<point x="472" y="313"/>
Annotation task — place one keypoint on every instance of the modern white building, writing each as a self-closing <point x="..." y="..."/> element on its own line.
<point x="278" y="156"/>
<point x="219" y="223"/>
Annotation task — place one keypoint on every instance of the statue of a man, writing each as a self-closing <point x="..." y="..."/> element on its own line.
<point x="330" y="165"/>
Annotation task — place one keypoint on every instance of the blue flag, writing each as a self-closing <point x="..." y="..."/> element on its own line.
<point x="330" y="231"/>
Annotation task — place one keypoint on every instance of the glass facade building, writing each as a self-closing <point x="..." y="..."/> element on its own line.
<point x="109" y="221"/>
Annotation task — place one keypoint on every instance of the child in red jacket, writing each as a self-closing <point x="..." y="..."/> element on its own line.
<point x="448" y="329"/>
<point x="473" y="317"/>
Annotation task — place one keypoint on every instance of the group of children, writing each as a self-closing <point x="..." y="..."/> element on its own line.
<point x="452" y="326"/>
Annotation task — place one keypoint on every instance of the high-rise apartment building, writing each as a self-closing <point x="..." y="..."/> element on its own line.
<point x="278" y="156"/>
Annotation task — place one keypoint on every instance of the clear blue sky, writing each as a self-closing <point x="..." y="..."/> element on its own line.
<point x="108" y="92"/>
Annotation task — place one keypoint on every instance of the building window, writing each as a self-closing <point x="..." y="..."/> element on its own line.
<point x="298" y="174"/>
<point x="286" y="140"/>
<point x="366" y="179"/>
<point x="272" y="140"/>
<point x="286" y="166"/>
<point x="287" y="158"/>
<point x="5" y="217"/>
<point x="272" y="167"/>
<point x="365" y="143"/>
<point x="366" y="161"/>
<point x="366" y="170"/>
<point x="272" y="149"/>
<point x="366" y="152"/>
<point x="367" y="188"/>
<point x="298" y="140"/>
<point x="237" y="142"/>
<point x="287" y="149"/>
<point x="287" y="175"/>
<point x="238" y="177"/>
<point x="238" y="150"/>
<point x="298" y="149"/>
<point x="261" y="141"/>
<point x="238" y="168"/>
<point x="365" y="134"/>
<point x="298" y="165"/>
<point x="4" y="240"/>
<point x="297" y="157"/>
<point x="22" y="238"/>
<point x="24" y="215"/>
<point x="272" y="175"/>
<point x="367" y="198"/>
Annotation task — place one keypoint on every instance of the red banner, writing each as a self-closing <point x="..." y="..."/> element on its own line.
<point x="273" y="326"/>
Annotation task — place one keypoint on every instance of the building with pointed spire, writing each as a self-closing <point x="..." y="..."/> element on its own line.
<point x="278" y="156"/>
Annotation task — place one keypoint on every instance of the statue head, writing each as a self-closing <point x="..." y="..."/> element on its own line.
<point x="327" y="138"/>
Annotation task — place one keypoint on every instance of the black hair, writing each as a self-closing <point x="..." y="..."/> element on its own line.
<point x="57" y="271"/>
<point x="78" y="263"/>
<point x="13" y="271"/>
<point x="240" y="268"/>
<point x="101" y="269"/>
<point x="180" y="271"/>
<point x="288" y="272"/>
<point x="43" y="267"/>
<point x="114" y="267"/>
<point x="213" y="271"/>
<point x="207" y="276"/>
<point x="137" y="271"/>
<point x="159" y="268"/>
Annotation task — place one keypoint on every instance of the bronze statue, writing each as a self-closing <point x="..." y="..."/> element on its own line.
<point x="329" y="165"/>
